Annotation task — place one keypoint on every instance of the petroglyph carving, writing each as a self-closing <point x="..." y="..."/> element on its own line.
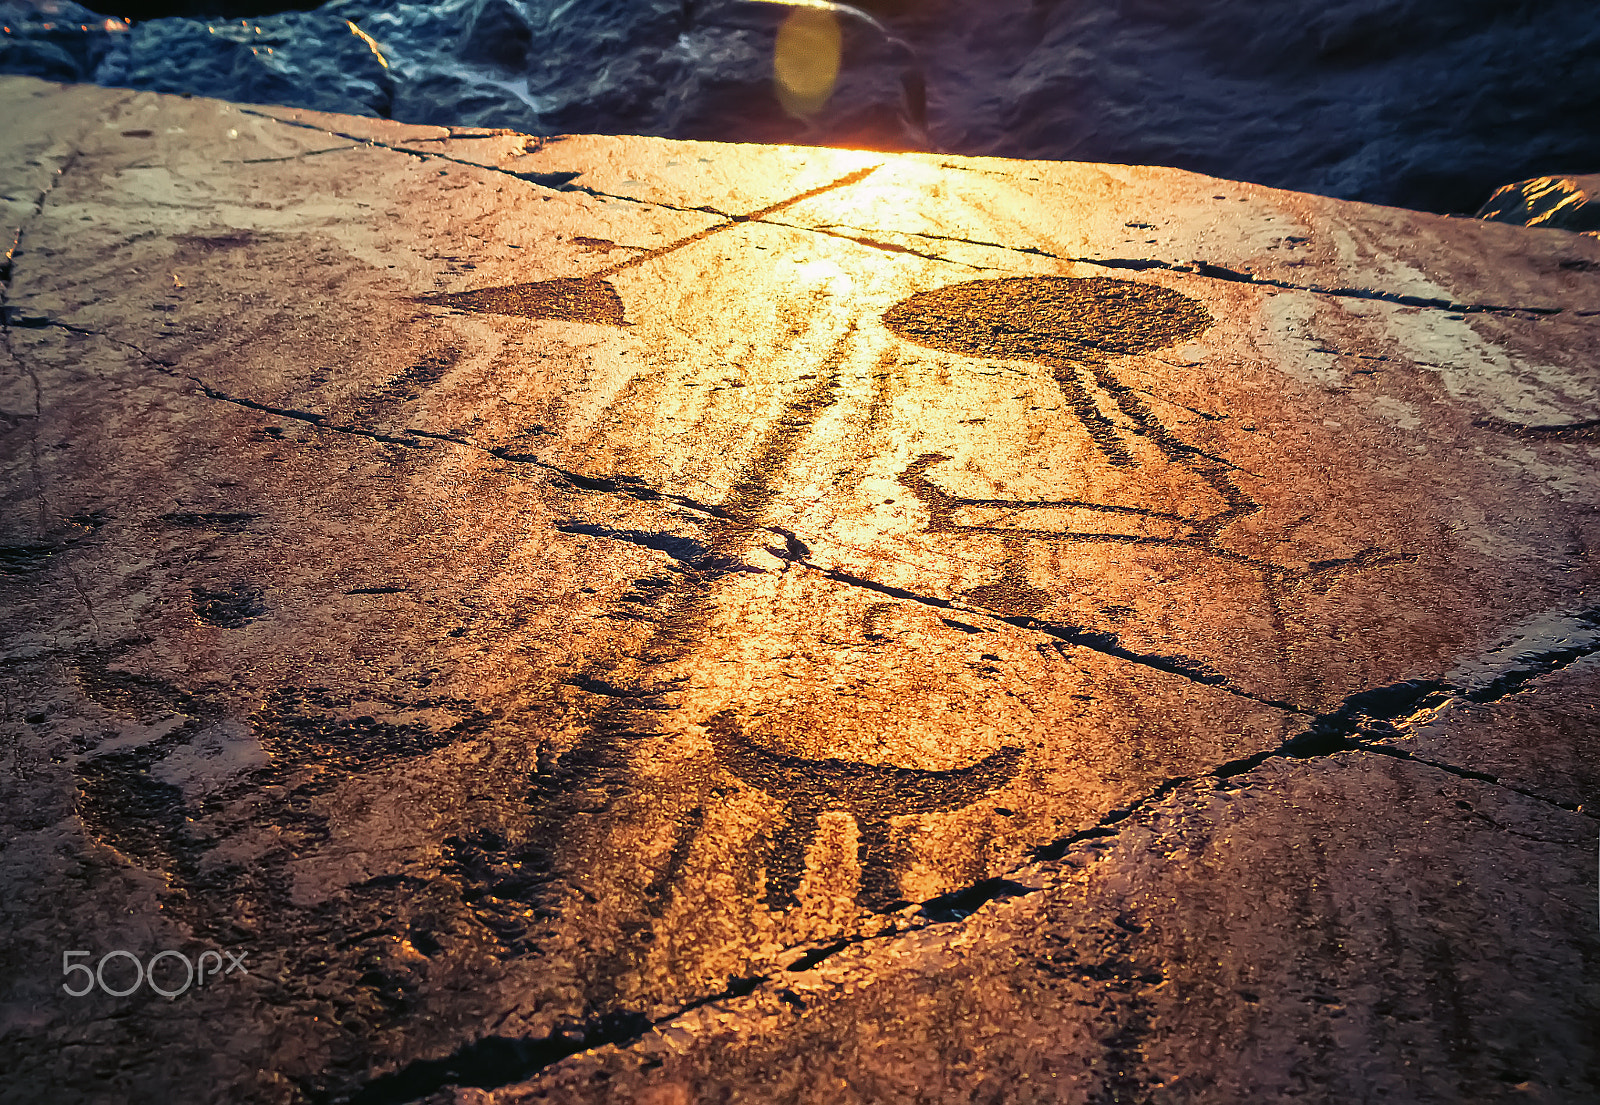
<point x="1074" y="327"/>
<point x="872" y="794"/>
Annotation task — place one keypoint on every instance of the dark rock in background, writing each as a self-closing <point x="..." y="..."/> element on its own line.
<point x="1564" y="203"/>
<point x="1419" y="103"/>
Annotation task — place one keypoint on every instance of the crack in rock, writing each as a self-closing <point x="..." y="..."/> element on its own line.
<point x="493" y="1061"/>
<point x="1543" y="644"/>
<point x="10" y="317"/>
<point x="872" y="238"/>
<point x="563" y="181"/>
<point x="1360" y="724"/>
<point x="1210" y="271"/>
<point x="1353" y="727"/>
<point x="1360" y="720"/>
<point x="794" y="550"/>
<point x="1586" y="431"/>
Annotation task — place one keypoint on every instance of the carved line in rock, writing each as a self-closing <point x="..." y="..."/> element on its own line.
<point x="1074" y="326"/>
<point x="593" y="298"/>
<point x="633" y="689"/>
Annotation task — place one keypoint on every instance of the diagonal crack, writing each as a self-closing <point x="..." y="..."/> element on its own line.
<point x="1521" y="669"/>
<point x="874" y="238"/>
<point x="564" y="181"/>
<point x="310" y="418"/>
<point x="1363" y="718"/>
<point x="794" y="550"/>
<point x="313" y="419"/>
<point x="1363" y="721"/>
<point x="1588" y="430"/>
<point x="1205" y="269"/>
<point x="1106" y="644"/>
<point x="879" y="244"/>
<point x="11" y="316"/>
<point x="291" y="157"/>
<point x="550" y="181"/>
<point x="1360" y="722"/>
<point x="493" y="1061"/>
<point x="1360" y="725"/>
<point x="1355" y="727"/>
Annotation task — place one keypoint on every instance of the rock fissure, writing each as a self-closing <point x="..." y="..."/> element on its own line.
<point x="1215" y="272"/>
<point x="1361" y="721"/>
<point x="9" y="317"/>
<point x="1376" y="713"/>
<point x="495" y="1061"/>
<point x="1585" y="431"/>
<point x="296" y="156"/>
<point x="1095" y="640"/>
<point x="564" y="182"/>
<point x="309" y="418"/>
<point x="864" y="236"/>
<point x="862" y="239"/>
<point x="796" y="551"/>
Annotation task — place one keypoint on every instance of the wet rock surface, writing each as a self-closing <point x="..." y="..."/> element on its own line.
<point x="1428" y="104"/>
<point x="619" y="619"/>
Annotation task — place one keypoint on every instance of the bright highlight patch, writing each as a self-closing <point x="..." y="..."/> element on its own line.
<point x="805" y="63"/>
<point x="371" y="44"/>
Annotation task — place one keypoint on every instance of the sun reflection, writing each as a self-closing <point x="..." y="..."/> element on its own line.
<point x="825" y="275"/>
<point x="805" y="63"/>
<point x="371" y="44"/>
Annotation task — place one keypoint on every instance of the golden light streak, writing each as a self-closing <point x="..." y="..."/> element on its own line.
<point x="371" y="44"/>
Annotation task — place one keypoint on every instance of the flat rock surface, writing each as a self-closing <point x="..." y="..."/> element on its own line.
<point x="618" y="619"/>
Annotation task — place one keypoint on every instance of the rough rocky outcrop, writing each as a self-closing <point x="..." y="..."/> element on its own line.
<point x="612" y="619"/>
<point x="1560" y="203"/>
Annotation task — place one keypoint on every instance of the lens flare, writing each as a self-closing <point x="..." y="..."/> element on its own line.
<point x="805" y="63"/>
